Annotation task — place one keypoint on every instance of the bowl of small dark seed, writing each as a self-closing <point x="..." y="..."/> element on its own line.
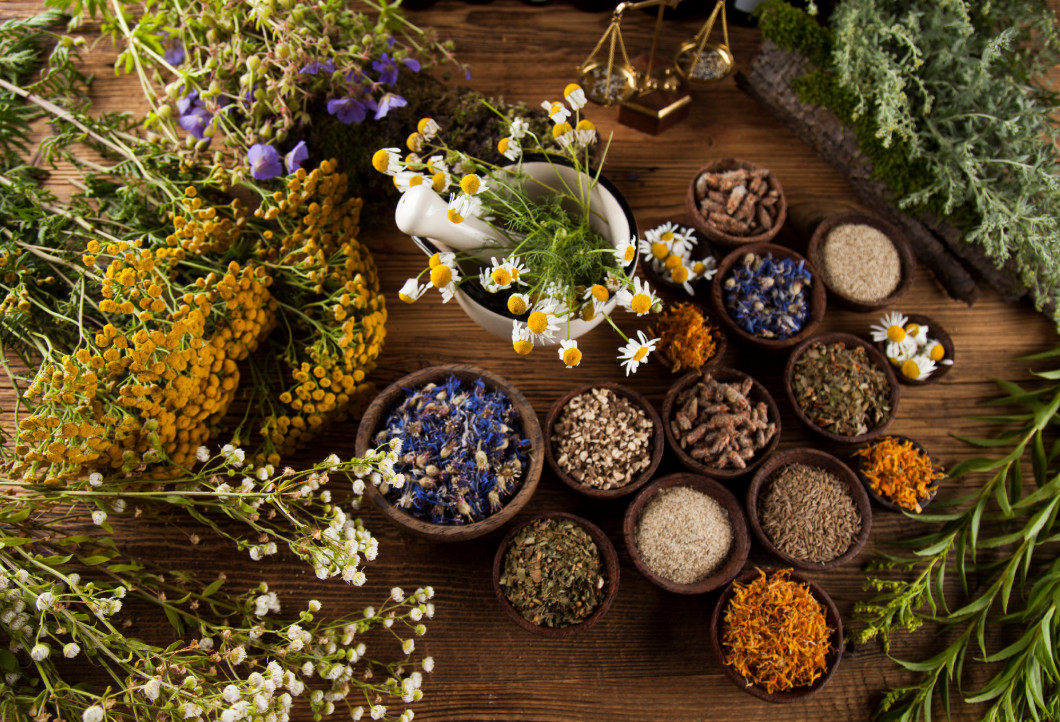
<point x="721" y="423"/>
<point x="603" y="440"/>
<point x="734" y="202"/>
<point x="556" y="574"/>
<point x="864" y="261"/>
<point x="809" y="509"/>
<point x="687" y="534"/>
<point x="768" y="296"/>
<point x="841" y="388"/>
<point x="471" y="452"/>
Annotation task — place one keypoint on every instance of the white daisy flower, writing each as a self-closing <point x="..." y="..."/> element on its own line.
<point x="427" y="128"/>
<point x="599" y="295"/>
<point x="706" y="268"/>
<point x="557" y="112"/>
<point x="518" y="128"/>
<point x="462" y="205"/>
<point x="518" y="303"/>
<point x="584" y="133"/>
<point x="890" y="328"/>
<point x="542" y="326"/>
<point x="640" y="300"/>
<point x="636" y="351"/>
<point x="522" y="340"/>
<point x="575" y="96"/>
<point x="412" y="290"/>
<point x="405" y="179"/>
<point x="487" y="282"/>
<point x="501" y="273"/>
<point x="918" y="333"/>
<point x="937" y="352"/>
<point x="901" y="351"/>
<point x="626" y="252"/>
<point x="387" y="160"/>
<point x="444" y="277"/>
<point x="509" y="147"/>
<point x="918" y="368"/>
<point x="569" y="353"/>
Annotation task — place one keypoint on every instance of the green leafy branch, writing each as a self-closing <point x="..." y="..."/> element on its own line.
<point x="999" y="537"/>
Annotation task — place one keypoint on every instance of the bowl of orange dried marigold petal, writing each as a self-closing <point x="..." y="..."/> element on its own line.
<point x="688" y="339"/>
<point x="778" y="635"/>
<point x="898" y="473"/>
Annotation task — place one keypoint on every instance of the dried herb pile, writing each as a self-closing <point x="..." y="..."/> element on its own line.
<point x="686" y="336"/>
<point x="840" y="389"/>
<point x="900" y="472"/>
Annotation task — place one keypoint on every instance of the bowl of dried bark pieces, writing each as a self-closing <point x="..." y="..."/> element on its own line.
<point x="603" y="440"/>
<point x="733" y="202"/>
<point x="721" y="423"/>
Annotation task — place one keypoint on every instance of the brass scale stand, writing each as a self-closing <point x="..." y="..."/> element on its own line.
<point x="650" y="100"/>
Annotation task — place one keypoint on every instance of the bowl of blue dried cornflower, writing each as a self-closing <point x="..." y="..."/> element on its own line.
<point x="768" y="296"/>
<point x="471" y="452"/>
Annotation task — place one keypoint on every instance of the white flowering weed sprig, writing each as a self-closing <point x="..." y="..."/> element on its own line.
<point x="62" y="593"/>
<point x="553" y="265"/>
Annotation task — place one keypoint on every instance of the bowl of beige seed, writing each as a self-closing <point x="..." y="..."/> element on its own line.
<point x="864" y="261"/>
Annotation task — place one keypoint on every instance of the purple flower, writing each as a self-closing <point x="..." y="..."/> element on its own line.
<point x="387" y="69"/>
<point x="388" y="102"/>
<point x="316" y="66"/>
<point x="295" y="157"/>
<point x="264" y="161"/>
<point x="174" y="54"/>
<point x="189" y="101"/>
<point x="195" y="121"/>
<point x="412" y="64"/>
<point x="347" y="110"/>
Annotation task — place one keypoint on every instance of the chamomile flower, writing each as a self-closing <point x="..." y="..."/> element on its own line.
<point x="444" y="277"/>
<point x="518" y="303"/>
<point x="462" y="205"/>
<point x="521" y="339"/>
<point x="599" y="295"/>
<point x="575" y="96"/>
<point x="569" y="353"/>
<point x="542" y="326"/>
<point x="557" y="112"/>
<point x="518" y="269"/>
<point x="387" y="160"/>
<point x="898" y="352"/>
<point x="640" y="300"/>
<point x="936" y="352"/>
<point x="473" y="184"/>
<point x="563" y="133"/>
<point x="427" y="128"/>
<point x="652" y="250"/>
<point x="636" y="351"/>
<point x="584" y="133"/>
<point x="890" y="328"/>
<point x="518" y="128"/>
<point x="626" y="252"/>
<point x="446" y="257"/>
<point x="405" y="179"/>
<point x="412" y="290"/>
<point x="918" y="333"/>
<point x="501" y="273"/>
<point x="918" y="368"/>
<point x="509" y="147"/>
<point x="682" y="277"/>
<point x="705" y="268"/>
<point x="613" y="282"/>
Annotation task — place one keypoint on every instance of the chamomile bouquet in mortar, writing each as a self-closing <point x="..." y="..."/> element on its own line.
<point x="544" y="239"/>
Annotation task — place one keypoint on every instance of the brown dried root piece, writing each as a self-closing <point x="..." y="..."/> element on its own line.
<point x="738" y="202"/>
<point x="717" y="423"/>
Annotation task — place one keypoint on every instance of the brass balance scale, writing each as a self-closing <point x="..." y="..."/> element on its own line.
<point x="652" y="98"/>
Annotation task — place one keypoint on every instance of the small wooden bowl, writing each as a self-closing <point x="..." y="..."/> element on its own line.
<point x="658" y="443"/>
<point x="831" y="616"/>
<point x="815" y="254"/>
<point x="723" y="375"/>
<point x="608" y="556"/>
<point x="878" y="358"/>
<point x="721" y="345"/>
<point x="376" y="413"/>
<point x="934" y="331"/>
<point x="741" y="539"/>
<point x="708" y="229"/>
<point x="810" y="457"/>
<point x="817" y="301"/>
<point x="859" y="464"/>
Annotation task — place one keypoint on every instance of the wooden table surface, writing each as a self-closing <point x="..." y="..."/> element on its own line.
<point x="649" y="658"/>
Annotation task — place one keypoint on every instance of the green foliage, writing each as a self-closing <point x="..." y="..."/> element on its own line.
<point x="1004" y="540"/>
<point x="794" y="30"/>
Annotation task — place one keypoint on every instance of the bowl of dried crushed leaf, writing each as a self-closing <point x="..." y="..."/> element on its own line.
<point x="898" y="473"/>
<point x="777" y="635"/>
<point x="688" y="339"/>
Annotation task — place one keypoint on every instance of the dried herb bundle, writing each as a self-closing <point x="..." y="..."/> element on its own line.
<point x="1016" y="578"/>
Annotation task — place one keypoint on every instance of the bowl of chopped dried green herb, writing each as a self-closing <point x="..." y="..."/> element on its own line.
<point x="688" y="339"/>
<point x="808" y="509"/>
<point x="778" y="636"/>
<point x="720" y="423"/>
<point x="898" y="473"/>
<point x="734" y="202"/>
<point x="603" y="440"/>
<point x="687" y="534"/>
<point x="841" y="388"/>
<point x="864" y="262"/>
<point x="471" y="451"/>
<point x="556" y="574"/>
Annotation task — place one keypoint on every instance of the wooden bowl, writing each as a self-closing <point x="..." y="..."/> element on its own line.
<point x="711" y="231"/>
<point x="858" y="463"/>
<point x="810" y="457"/>
<point x="741" y="539"/>
<point x="831" y="616"/>
<point x="721" y="345"/>
<point x="608" y="556"/>
<point x="723" y="375"/>
<point x="934" y="331"/>
<point x="375" y="416"/>
<point x="817" y="300"/>
<point x="815" y="254"/>
<point x="658" y="443"/>
<point x="850" y="341"/>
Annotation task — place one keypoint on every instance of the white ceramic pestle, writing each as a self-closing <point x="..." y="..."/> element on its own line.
<point x="422" y="212"/>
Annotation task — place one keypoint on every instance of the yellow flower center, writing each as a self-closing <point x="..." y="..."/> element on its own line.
<point x="641" y="303"/>
<point x="699" y="267"/>
<point x="413" y="142"/>
<point x="910" y="370"/>
<point x="516" y="304"/>
<point x="537" y="323"/>
<point x="672" y="261"/>
<point x="523" y="347"/>
<point x="912" y="329"/>
<point x="381" y="160"/>
<point x="501" y="276"/>
<point x="937" y="352"/>
<point x="415" y="181"/>
<point x="585" y="125"/>
<point x="502" y="145"/>
<point x="600" y="292"/>
<point x="558" y="130"/>
<point x="422" y="125"/>
<point x="641" y="353"/>
<point x="588" y="312"/>
<point x="453" y="216"/>
<point x="438" y="182"/>
<point x="406" y="299"/>
<point x="441" y="276"/>
<point x="470" y="184"/>
<point x="571" y="88"/>
<point x="556" y="108"/>
<point x="667" y="237"/>
<point x="679" y="274"/>
<point x="660" y="250"/>
<point x="572" y="357"/>
<point x="434" y="260"/>
<point x="896" y="334"/>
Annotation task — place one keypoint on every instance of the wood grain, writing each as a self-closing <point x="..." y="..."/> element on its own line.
<point x="649" y="658"/>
